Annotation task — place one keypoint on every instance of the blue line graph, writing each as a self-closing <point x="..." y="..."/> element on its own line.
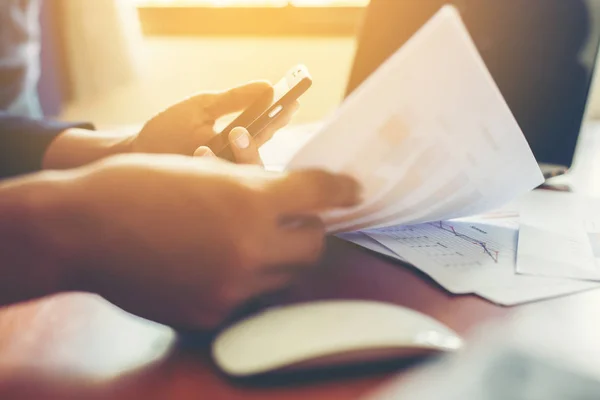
<point x="493" y="254"/>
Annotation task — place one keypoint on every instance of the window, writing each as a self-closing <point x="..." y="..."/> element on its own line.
<point x="251" y="17"/>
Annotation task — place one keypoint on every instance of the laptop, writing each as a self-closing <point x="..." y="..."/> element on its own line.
<point x="541" y="53"/>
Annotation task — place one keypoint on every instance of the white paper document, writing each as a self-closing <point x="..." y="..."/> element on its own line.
<point x="430" y="138"/>
<point x="461" y="257"/>
<point x="512" y="296"/>
<point x="560" y="235"/>
<point x="369" y="243"/>
<point x="466" y="257"/>
<point x="428" y="135"/>
<point x="279" y="150"/>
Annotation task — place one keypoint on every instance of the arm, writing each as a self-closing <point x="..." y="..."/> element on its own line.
<point x="179" y="129"/>
<point x="34" y="249"/>
<point x="163" y="236"/>
<point x="28" y="145"/>
<point x="24" y="141"/>
<point x="75" y="147"/>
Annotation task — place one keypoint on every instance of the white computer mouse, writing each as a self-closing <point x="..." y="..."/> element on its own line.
<point x="328" y="333"/>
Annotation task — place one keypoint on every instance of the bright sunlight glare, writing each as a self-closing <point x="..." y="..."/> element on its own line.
<point x="256" y="3"/>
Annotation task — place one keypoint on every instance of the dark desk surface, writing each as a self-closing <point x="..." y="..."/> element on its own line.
<point x="78" y="346"/>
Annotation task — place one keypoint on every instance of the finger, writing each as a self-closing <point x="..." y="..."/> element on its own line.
<point x="204" y="151"/>
<point x="313" y="190"/>
<point x="244" y="148"/>
<point x="239" y="98"/>
<point x="279" y="122"/>
<point x="297" y="244"/>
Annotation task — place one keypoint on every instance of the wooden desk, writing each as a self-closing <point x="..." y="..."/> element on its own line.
<point x="78" y="346"/>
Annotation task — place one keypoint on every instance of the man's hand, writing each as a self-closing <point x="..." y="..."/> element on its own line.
<point x="180" y="129"/>
<point x="183" y="240"/>
<point x="183" y="127"/>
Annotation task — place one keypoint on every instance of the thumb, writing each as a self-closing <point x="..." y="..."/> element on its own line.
<point x="244" y="147"/>
<point x="239" y="98"/>
<point x="204" y="151"/>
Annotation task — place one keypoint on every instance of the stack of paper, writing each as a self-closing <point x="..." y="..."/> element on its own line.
<point x="467" y="257"/>
<point x="428" y="135"/>
<point x="430" y="138"/>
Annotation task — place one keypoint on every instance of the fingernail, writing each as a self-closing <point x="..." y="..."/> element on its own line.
<point x="242" y="139"/>
<point x="203" y="152"/>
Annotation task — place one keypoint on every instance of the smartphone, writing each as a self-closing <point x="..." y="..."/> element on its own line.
<point x="264" y="109"/>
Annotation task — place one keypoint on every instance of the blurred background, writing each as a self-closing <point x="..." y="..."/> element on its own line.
<point x="119" y="61"/>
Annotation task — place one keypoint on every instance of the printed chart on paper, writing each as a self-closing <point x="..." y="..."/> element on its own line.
<point x="455" y="245"/>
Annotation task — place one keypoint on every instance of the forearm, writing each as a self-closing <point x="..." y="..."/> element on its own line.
<point x="35" y="249"/>
<point x="75" y="147"/>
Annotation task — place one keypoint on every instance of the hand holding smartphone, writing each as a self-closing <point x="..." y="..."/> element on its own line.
<point x="267" y="107"/>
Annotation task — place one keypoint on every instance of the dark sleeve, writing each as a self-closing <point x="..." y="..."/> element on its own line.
<point x="23" y="142"/>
